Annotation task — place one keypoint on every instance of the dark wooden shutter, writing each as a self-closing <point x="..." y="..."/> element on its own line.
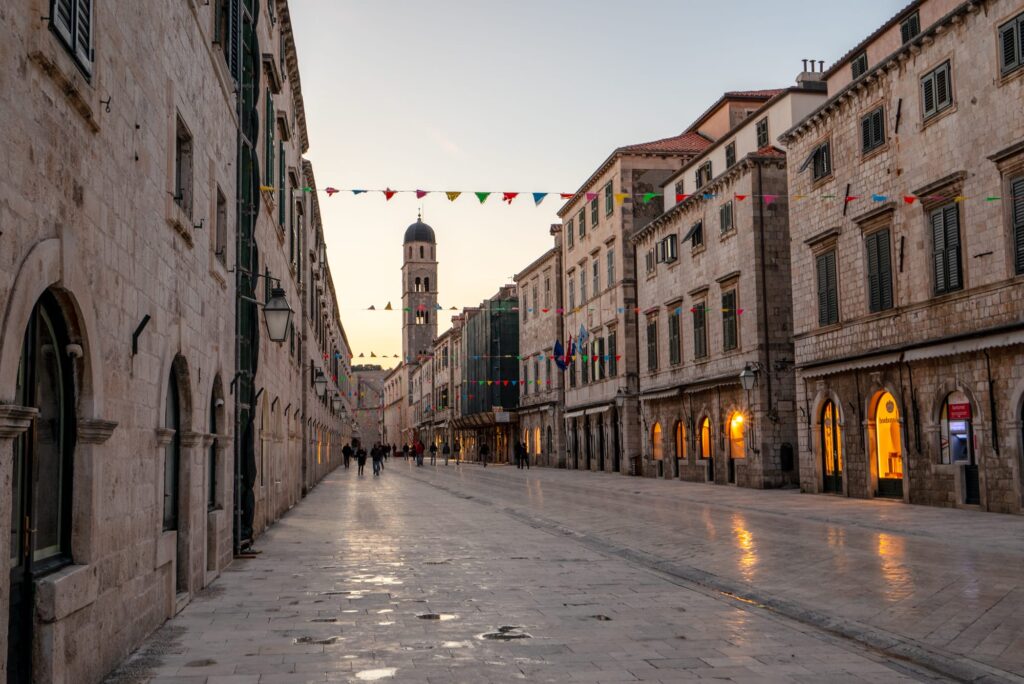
<point x="939" y="251"/>
<point x="943" y="94"/>
<point x="928" y="94"/>
<point x="1008" y="52"/>
<point x="1017" y="192"/>
<point x="951" y="219"/>
<point x="822" y="269"/>
<point x="874" y="287"/>
<point x="729" y="320"/>
<point x="884" y="270"/>
<point x="865" y="133"/>
<point x="878" y="126"/>
<point x="613" y="363"/>
<point x="828" y="290"/>
<point x="83" y="33"/>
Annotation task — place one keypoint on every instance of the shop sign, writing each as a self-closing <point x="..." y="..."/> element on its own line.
<point x="958" y="412"/>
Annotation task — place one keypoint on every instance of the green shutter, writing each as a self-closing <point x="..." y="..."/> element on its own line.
<point x="928" y="94"/>
<point x="939" y="251"/>
<point x="874" y="293"/>
<point x="951" y="218"/>
<point x="1009" y="54"/>
<point x="884" y="270"/>
<point x="943" y="90"/>
<point x="1017" y="192"/>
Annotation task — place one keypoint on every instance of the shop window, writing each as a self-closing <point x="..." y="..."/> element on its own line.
<point x="888" y="444"/>
<point x="957" y="438"/>
<point x="705" y="437"/>
<point x="831" y="448"/>
<point x="680" y="439"/>
<point x="656" y="442"/>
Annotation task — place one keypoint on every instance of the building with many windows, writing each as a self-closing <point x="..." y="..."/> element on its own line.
<point x="151" y="251"/>
<point x="908" y="262"/>
<point x="713" y="301"/>
<point x="541" y="390"/>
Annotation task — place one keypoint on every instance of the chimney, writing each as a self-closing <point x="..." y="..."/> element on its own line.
<point x="811" y="79"/>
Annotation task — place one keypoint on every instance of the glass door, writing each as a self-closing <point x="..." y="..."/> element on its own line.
<point x="831" y="450"/>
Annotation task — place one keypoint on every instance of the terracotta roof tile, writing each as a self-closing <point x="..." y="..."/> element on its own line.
<point x="770" y="151"/>
<point x="754" y="94"/>
<point x="686" y="142"/>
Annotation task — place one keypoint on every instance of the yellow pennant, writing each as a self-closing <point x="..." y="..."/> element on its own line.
<point x="620" y="197"/>
<point x="388" y="307"/>
<point x="267" y="188"/>
<point x="452" y="196"/>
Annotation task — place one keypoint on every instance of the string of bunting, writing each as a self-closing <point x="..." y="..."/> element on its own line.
<point x="646" y="197"/>
<point x="540" y="310"/>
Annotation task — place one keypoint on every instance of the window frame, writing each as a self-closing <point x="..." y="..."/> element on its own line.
<point x="911" y="20"/>
<point x="730" y="321"/>
<point x="873" y="241"/>
<point x="593" y="212"/>
<point x="1016" y="186"/>
<point x="609" y="199"/>
<point x="726" y="210"/>
<point x="610" y="264"/>
<point x="827" y="313"/>
<point x="730" y="154"/>
<point x="859" y="65"/>
<point x="675" y="346"/>
<point x="69" y="32"/>
<point x="872" y="130"/>
<point x="1015" y="28"/>
<point x="761" y="133"/>
<point x="652" y="343"/>
<point x="946" y="210"/>
<point x="700" y="329"/>
<point x="944" y="69"/>
<point x="581" y="222"/>
<point x="570" y="226"/>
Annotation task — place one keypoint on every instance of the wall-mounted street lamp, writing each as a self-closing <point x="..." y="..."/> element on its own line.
<point x="277" y="315"/>
<point x="336" y="403"/>
<point x="747" y="378"/>
<point x="320" y="383"/>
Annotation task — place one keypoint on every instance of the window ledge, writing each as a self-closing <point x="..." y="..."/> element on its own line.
<point x="66" y="591"/>
<point x="180" y="221"/>
<point x="935" y="118"/>
<point x="698" y="250"/>
<point x="78" y="91"/>
<point x="874" y="152"/>
<point x="722" y="237"/>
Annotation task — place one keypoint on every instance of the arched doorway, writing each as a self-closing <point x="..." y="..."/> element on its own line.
<point x="680" y="440"/>
<point x="42" y="474"/>
<point x="657" y="451"/>
<point x="957" y="442"/>
<point x="831" y="449"/>
<point x="886" y="440"/>
<point x="705" y="447"/>
<point x="737" y="443"/>
<point x="172" y="477"/>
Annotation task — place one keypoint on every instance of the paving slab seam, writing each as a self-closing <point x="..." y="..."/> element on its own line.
<point x="899" y="649"/>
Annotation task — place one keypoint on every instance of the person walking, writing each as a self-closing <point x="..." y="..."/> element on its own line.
<point x="346" y="452"/>
<point x="484" y="453"/>
<point x="446" y="452"/>
<point x="519" y="455"/>
<point x="526" y="455"/>
<point x="378" y="459"/>
<point x="433" y="454"/>
<point x="361" y="460"/>
<point x="458" y="450"/>
<point x="405" y="451"/>
<point x="417" y="448"/>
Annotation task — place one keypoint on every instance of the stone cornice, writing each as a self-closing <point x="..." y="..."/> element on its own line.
<point x="95" y="430"/>
<point x="912" y="47"/>
<point x="15" y="419"/>
<point x="164" y="436"/>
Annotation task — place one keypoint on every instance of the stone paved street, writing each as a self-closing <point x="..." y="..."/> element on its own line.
<point x="462" y="574"/>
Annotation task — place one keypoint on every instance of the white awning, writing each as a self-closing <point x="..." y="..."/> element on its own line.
<point x="663" y="394"/>
<point x="600" y="409"/>
<point x="574" y="414"/>
<point x="965" y="346"/>
<point x="843" y="366"/>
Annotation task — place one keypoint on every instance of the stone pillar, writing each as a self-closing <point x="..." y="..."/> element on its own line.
<point x="14" y="420"/>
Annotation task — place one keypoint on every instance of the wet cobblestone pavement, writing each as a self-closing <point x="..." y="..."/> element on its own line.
<point x="461" y="574"/>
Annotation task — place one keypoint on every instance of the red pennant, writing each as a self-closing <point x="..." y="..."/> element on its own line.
<point x="420" y="194"/>
<point x="389" y="193"/>
<point x="565" y="195"/>
<point x="739" y="311"/>
<point x="509" y="196"/>
<point x="618" y="357"/>
<point x="636" y="310"/>
<point x="681" y="196"/>
<point x="591" y="196"/>
<point x="850" y="198"/>
<point x="909" y="199"/>
<point x="740" y="198"/>
<point x="545" y="310"/>
<point x="331" y="191"/>
<point x="506" y="383"/>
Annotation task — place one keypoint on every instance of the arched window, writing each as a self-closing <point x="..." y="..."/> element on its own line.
<point x="536" y="441"/>
<point x="421" y="318"/>
<point x="680" y="440"/>
<point x="418" y="287"/>
<point x="831" y="448"/>
<point x="887" y="443"/>
<point x="421" y="251"/>
<point x="957" y="440"/>
<point x="42" y="474"/>
<point x="211" y="465"/>
<point x="705" y="437"/>
<point x="426" y="284"/>
<point x="656" y="442"/>
<point x="737" y="432"/>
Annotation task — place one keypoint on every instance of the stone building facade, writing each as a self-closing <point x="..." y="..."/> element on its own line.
<point x="713" y="300"/>
<point x="118" y="310"/>
<point x="541" y="389"/>
<point x="367" y="394"/>
<point x="907" y="278"/>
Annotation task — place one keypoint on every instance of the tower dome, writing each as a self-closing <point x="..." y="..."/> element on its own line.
<point x="419" y="232"/>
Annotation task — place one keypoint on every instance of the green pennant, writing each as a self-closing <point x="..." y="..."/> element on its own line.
<point x="307" y="189"/>
<point x="648" y="196"/>
<point x="482" y="196"/>
<point x="992" y="199"/>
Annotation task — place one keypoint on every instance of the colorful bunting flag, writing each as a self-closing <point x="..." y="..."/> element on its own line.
<point x="388" y="194"/>
<point x="621" y="197"/>
<point x="591" y="196"/>
<point x="420" y="194"/>
<point x="740" y="198"/>
<point x="538" y="197"/>
<point x="452" y="195"/>
<point x="331" y="191"/>
<point x="482" y="196"/>
<point x="878" y="198"/>
<point x="565" y="195"/>
<point x="909" y="199"/>
<point x="648" y="196"/>
<point x="270" y="188"/>
<point x="388" y="307"/>
<point x="768" y="199"/>
<point x="509" y="196"/>
<point x="358" y="192"/>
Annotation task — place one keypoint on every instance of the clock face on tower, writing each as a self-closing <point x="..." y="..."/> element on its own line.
<point x="419" y="290"/>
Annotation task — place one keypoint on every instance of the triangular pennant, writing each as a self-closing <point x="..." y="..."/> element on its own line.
<point x="439" y="307"/>
<point x="361" y="355"/>
<point x="565" y="195"/>
<point x="768" y="199"/>
<point x="538" y="197"/>
<point x="850" y="198"/>
<point x="648" y="196"/>
<point x="482" y="196"/>
<point x="799" y="197"/>
<point x="591" y="196"/>
<point x="420" y="194"/>
<point x="372" y="356"/>
<point x="878" y="198"/>
<point x="388" y="307"/>
<point x="509" y="196"/>
<point x="331" y="191"/>
<point x="388" y="194"/>
<point x="307" y="189"/>
<point x="909" y="199"/>
<point x="372" y="308"/>
<point x="709" y="195"/>
<point x="490" y="382"/>
<point x="358" y="192"/>
<point x="959" y="198"/>
<point x="621" y="197"/>
<point x="452" y="195"/>
<point x="680" y="196"/>
<point x="992" y="198"/>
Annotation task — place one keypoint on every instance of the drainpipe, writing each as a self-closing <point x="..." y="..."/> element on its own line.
<point x="992" y="404"/>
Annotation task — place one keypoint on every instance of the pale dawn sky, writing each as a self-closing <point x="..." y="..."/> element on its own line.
<point x="525" y="96"/>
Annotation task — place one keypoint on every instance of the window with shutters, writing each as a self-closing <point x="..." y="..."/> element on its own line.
<point x="583" y="283"/>
<point x="822" y="161"/>
<point x="879" y="271"/>
<point x="675" y="346"/>
<point x="572" y="372"/>
<point x="572" y="290"/>
<point x="652" y="343"/>
<point x="281" y="211"/>
<point x="610" y="258"/>
<point x="609" y="199"/>
<point x="946" y="271"/>
<point x="268" y="134"/>
<point x="595" y="276"/>
<point x="220" y="245"/>
<point x="872" y="130"/>
<point x="828" y="289"/>
<point x="679" y="188"/>
<point x="183" y="167"/>
<point x="703" y="174"/>
<point x="536" y="290"/>
<point x="71" y="21"/>
<point x="730" y="329"/>
<point x="547" y="293"/>
<point x="613" y="361"/>
<point x="725" y="217"/>
<point x="695" y="235"/>
<point x="859" y="65"/>
<point x="584" y="361"/>
<point x="581" y="222"/>
<point x="569" y="235"/>
<point x="1017" y="217"/>
<point x="700" y="332"/>
<point x="593" y="212"/>
<point x="730" y="154"/>
<point x="762" y="134"/>
<point x="649" y="261"/>
<point x="936" y="91"/>
<point x="910" y="27"/>
<point x="524" y="311"/>
<point x="1011" y="45"/>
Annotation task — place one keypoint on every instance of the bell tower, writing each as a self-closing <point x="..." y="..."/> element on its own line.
<point x="419" y="291"/>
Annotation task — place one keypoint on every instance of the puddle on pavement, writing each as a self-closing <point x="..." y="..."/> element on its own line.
<point x="385" y="610"/>
<point x="378" y="673"/>
<point x="350" y="610"/>
<point x="443" y="617"/>
<point x="383" y="580"/>
<point x="505" y="633"/>
<point x="320" y="642"/>
<point x="386" y="623"/>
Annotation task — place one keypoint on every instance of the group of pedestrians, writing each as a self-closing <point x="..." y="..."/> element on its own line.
<point x="378" y="454"/>
<point x="522" y="456"/>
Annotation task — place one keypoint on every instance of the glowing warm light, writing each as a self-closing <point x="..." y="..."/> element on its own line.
<point x="737" y="445"/>
<point x="737" y="419"/>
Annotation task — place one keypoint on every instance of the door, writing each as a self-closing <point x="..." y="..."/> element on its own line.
<point x="705" y="447"/>
<point x="589" y="441"/>
<point x="831" y="450"/>
<point x="888" y="445"/>
<point x="615" y="442"/>
<point x="600" y="444"/>
<point x="41" y="482"/>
